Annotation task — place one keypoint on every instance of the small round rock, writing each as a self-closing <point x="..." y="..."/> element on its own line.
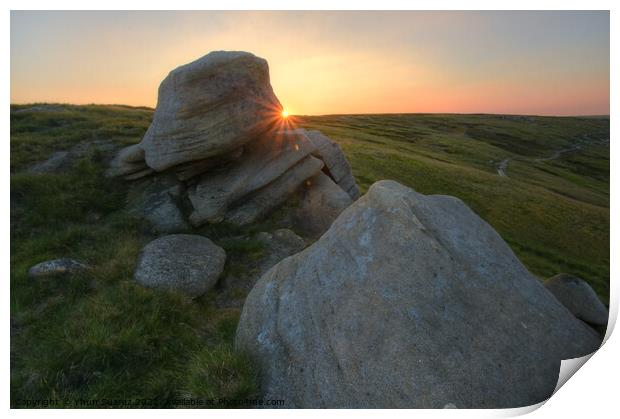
<point x="187" y="263"/>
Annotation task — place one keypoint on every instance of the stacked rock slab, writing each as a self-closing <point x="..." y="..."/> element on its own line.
<point x="218" y="131"/>
<point x="321" y="202"/>
<point x="336" y="164"/>
<point x="129" y="163"/>
<point x="268" y="158"/>
<point x="407" y="301"/>
<point x="264" y="200"/>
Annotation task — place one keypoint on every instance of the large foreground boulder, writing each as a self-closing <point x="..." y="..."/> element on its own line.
<point x="579" y="298"/>
<point x="407" y="301"/>
<point x="187" y="263"/>
<point x="210" y="107"/>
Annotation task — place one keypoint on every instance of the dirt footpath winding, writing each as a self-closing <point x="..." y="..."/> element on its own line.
<point x="502" y="167"/>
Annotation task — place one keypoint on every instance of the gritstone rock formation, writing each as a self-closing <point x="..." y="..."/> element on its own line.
<point x="407" y="301"/>
<point x="218" y="131"/>
<point x="209" y="107"/>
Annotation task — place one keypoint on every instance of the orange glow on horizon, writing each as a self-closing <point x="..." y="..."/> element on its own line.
<point x="428" y="62"/>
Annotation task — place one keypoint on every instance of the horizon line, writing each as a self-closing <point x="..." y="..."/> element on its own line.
<point x="146" y="107"/>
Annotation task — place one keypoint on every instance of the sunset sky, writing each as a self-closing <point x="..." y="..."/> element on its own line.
<point x="550" y="63"/>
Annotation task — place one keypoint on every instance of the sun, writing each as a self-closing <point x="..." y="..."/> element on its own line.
<point x="281" y="119"/>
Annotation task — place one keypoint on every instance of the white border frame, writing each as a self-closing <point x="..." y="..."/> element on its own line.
<point x="591" y="393"/>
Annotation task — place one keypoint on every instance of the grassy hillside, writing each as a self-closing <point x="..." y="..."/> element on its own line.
<point x="553" y="209"/>
<point x="98" y="335"/>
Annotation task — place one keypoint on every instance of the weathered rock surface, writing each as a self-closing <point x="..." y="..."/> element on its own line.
<point x="64" y="160"/>
<point x="156" y="199"/>
<point x="322" y="201"/>
<point x="336" y="163"/>
<point x="264" y="200"/>
<point x="52" y="164"/>
<point x="132" y="154"/>
<point x="278" y="245"/>
<point x="266" y="159"/>
<point x="56" y="267"/>
<point x="579" y="298"/>
<point x="407" y="301"/>
<point x="210" y="107"/>
<point x="194" y="168"/>
<point x="129" y="163"/>
<point x="187" y="263"/>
